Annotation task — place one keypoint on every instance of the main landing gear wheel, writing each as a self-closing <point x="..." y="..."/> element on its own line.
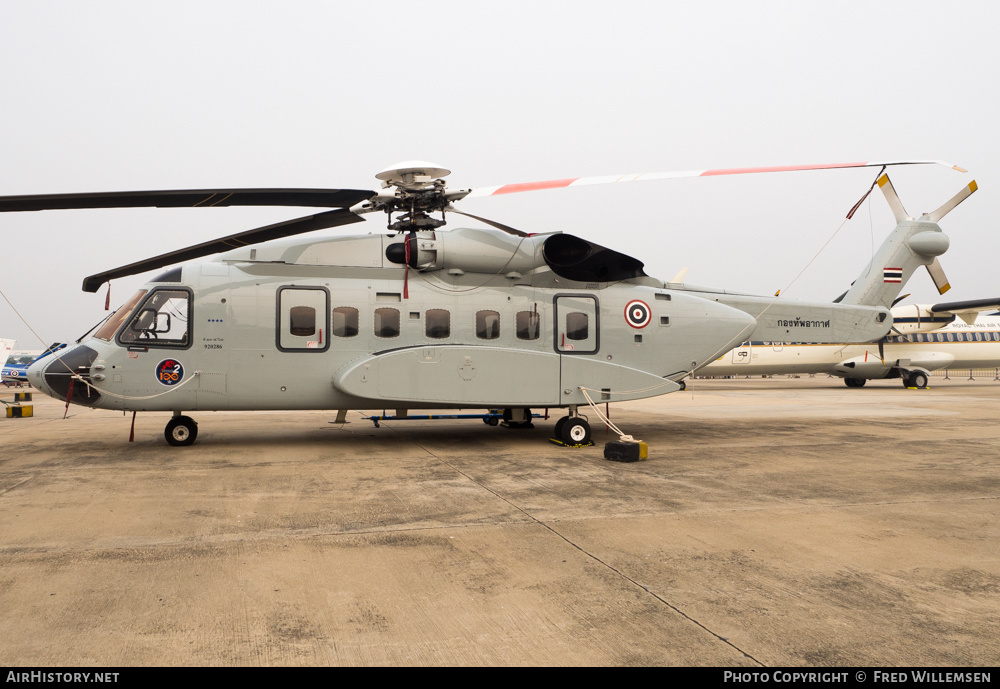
<point x="557" y="432"/>
<point x="855" y="382"/>
<point x="574" y="431"/>
<point x="915" y="380"/>
<point x="181" y="431"/>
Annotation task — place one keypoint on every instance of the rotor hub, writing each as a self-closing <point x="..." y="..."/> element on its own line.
<point x="414" y="188"/>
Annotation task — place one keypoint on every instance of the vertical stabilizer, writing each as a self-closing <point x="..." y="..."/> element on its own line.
<point x="6" y="347"/>
<point x="913" y="243"/>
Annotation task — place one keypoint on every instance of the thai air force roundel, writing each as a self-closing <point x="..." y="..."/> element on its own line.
<point x="637" y="313"/>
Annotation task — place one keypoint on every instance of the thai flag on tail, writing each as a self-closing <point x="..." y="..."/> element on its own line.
<point x="892" y="275"/>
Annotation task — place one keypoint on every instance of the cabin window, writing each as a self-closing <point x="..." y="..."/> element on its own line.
<point x="437" y="324"/>
<point x="302" y="321"/>
<point x="117" y="319"/>
<point x="345" y="321"/>
<point x="161" y="320"/>
<point x="386" y="322"/>
<point x="577" y="326"/>
<point x="487" y="325"/>
<point x="528" y="325"/>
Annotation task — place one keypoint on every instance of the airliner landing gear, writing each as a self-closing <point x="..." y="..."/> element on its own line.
<point x="181" y="431"/>
<point x="915" y="380"/>
<point x="855" y="382"/>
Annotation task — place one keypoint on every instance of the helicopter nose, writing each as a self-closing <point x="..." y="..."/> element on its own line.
<point x="66" y="373"/>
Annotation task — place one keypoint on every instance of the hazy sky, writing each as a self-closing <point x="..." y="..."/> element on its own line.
<point x="114" y="96"/>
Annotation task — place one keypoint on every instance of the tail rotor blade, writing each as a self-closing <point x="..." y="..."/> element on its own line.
<point x="966" y="192"/>
<point x="936" y="272"/>
<point x="890" y="195"/>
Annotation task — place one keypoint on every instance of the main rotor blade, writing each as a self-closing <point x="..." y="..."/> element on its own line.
<point x="191" y="198"/>
<point x="288" y="228"/>
<point x="493" y="223"/>
<point x="613" y="179"/>
<point x="949" y="205"/>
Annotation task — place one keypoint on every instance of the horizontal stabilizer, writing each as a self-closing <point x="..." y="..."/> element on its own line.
<point x="969" y="306"/>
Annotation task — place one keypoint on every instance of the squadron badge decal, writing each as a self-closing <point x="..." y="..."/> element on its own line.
<point x="169" y="372"/>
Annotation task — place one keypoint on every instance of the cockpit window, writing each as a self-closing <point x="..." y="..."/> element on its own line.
<point x="161" y="321"/>
<point x="111" y="325"/>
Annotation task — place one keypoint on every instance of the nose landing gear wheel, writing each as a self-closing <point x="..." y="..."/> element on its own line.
<point x="181" y="431"/>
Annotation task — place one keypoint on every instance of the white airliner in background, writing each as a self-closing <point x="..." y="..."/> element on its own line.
<point x="6" y="347"/>
<point x="926" y="338"/>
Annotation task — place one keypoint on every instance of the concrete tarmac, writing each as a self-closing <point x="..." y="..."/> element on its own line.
<point x="777" y="522"/>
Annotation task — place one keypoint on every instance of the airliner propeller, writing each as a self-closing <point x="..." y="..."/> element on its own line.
<point x="412" y="191"/>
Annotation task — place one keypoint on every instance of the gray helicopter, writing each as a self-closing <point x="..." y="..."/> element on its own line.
<point x="425" y="319"/>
